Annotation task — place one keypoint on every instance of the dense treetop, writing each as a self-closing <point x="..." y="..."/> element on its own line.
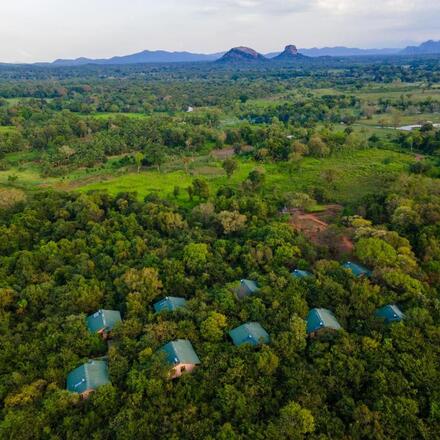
<point x="65" y="256"/>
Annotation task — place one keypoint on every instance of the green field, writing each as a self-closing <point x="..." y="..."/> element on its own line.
<point x="393" y="92"/>
<point x="403" y="119"/>
<point x="25" y="166"/>
<point x="114" y="115"/>
<point x="7" y="129"/>
<point x="415" y="93"/>
<point x="360" y="170"/>
<point x="15" y="101"/>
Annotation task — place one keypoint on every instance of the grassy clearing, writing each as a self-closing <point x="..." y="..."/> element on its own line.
<point x="28" y="178"/>
<point x="403" y="120"/>
<point x="229" y="121"/>
<point x="25" y="167"/>
<point x="415" y="93"/>
<point x="327" y="92"/>
<point x="357" y="174"/>
<point x="15" y="101"/>
<point x="360" y="170"/>
<point x="22" y="157"/>
<point x="369" y="130"/>
<point x="7" y="129"/>
<point x="114" y="115"/>
<point x="372" y="93"/>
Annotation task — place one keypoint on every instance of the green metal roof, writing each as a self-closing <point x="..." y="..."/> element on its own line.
<point x="390" y="313"/>
<point x="357" y="270"/>
<point x="89" y="376"/>
<point x="180" y="351"/>
<point x="249" y="333"/>
<point x="321" y="318"/>
<point x="300" y="274"/>
<point x="103" y="320"/>
<point x="247" y="288"/>
<point x="170" y="303"/>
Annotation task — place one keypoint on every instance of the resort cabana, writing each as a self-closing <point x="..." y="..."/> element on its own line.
<point x="169" y="303"/>
<point x="103" y="321"/>
<point x="88" y="377"/>
<point x="247" y="288"/>
<point x="181" y="355"/>
<point x="357" y="270"/>
<point x="297" y="273"/>
<point x="319" y="320"/>
<point x="390" y="313"/>
<point x="250" y="333"/>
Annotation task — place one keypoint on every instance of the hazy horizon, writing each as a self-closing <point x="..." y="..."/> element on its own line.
<point x="44" y="30"/>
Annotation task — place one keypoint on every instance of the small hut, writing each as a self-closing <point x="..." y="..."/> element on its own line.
<point x="250" y="333"/>
<point x="319" y="320"/>
<point x="390" y="313"/>
<point x="88" y="377"/>
<point x="247" y="288"/>
<point x="103" y="322"/>
<point x="169" y="303"/>
<point x="181" y="355"/>
<point x="357" y="270"/>
<point x="297" y="273"/>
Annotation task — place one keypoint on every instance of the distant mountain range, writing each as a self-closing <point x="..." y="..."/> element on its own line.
<point x="247" y="54"/>
<point x="146" y="56"/>
<point x="341" y="51"/>
<point x="428" y="47"/>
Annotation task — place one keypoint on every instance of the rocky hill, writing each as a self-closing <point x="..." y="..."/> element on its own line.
<point x="242" y="54"/>
<point x="290" y="53"/>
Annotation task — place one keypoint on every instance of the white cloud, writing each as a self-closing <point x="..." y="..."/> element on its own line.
<point x="258" y="7"/>
<point x="356" y="7"/>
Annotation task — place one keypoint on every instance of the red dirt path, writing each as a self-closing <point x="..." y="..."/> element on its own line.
<point x="314" y="226"/>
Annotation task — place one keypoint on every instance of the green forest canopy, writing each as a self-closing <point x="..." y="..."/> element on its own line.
<point x="296" y="139"/>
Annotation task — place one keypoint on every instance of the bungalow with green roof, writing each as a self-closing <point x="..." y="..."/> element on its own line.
<point x="319" y="320"/>
<point x="357" y="270"/>
<point x="88" y="377"/>
<point x="297" y="273"/>
<point x="247" y="288"/>
<point x="103" y="322"/>
<point x="251" y="333"/>
<point x="181" y="355"/>
<point x="390" y="313"/>
<point x="170" y="304"/>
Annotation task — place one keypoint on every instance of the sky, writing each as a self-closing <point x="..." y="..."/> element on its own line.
<point x="44" y="30"/>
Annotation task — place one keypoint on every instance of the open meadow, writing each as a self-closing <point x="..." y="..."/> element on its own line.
<point x="362" y="170"/>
